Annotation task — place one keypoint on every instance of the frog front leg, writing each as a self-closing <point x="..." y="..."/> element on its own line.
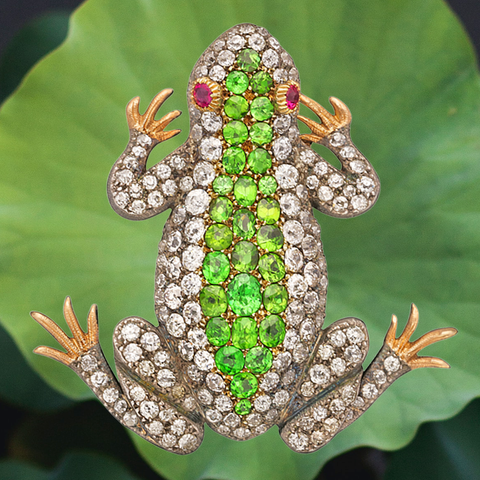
<point x="343" y="193"/>
<point x="134" y="192"/>
<point x="335" y="391"/>
<point x="151" y="398"/>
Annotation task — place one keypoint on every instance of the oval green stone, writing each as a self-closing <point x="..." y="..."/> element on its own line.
<point x="261" y="108"/>
<point x="268" y="210"/>
<point x="244" y="256"/>
<point x="259" y="161"/>
<point x="267" y="185"/>
<point x="223" y="184"/>
<point x="261" y="82"/>
<point x="233" y="161"/>
<point x="237" y="82"/>
<point x="244" y="332"/>
<point x="245" y="190"/>
<point x="275" y="298"/>
<point x="260" y="133"/>
<point x="235" y="132"/>
<point x="229" y="360"/>
<point x="243" y="407"/>
<point x="272" y="331"/>
<point x="271" y="267"/>
<point x="270" y="238"/>
<point x="213" y="300"/>
<point x="217" y="331"/>
<point x="248" y="60"/>
<point x="244" y="385"/>
<point x="243" y="294"/>
<point x="259" y="360"/>
<point x="244" y="223"/>
<point x="218" y="237"/>
<point x="221" y="209"/>
<point x="236" y="107"/>
<point x="216" y="267"/>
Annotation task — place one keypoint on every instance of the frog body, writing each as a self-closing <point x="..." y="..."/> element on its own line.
<point x="241" y="278"/>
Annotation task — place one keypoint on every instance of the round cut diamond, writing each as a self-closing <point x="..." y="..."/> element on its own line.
<point x="204" y="174"/>
<point x="130" y="332"/>
<point x="211" y="148"/>
<point x="197" y="201"/>
<point x="293" y="232"/>
<point x="281" y="149"/>
<point x="176" y="325"/>
<point x="204" y="360"/>
<point x="192" y="257"/>
<point x="297" y="286"/>
<point x="211" y="122"/>
<point x="166" y="378"/>
<point x="294" y="259"/>
<point x="270" y="58"/>
<point x="290" y="204"/>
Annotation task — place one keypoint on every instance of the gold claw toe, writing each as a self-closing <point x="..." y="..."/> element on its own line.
<point x="146" y="123"/>
<point x="408" y="351"/>
<point x="80" y="343"/>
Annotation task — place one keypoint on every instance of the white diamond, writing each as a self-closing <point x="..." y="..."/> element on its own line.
<point x="274" y="43"/>
<point x="178" y="426"/>
<point x="223" y="403"/>
<point x="247" y="28"/>
<point x="174" y="240"/>
<point x="186" y="351"/>
<point x="137" y="394"/>
<point x="130" y="162"/>
<point x="149" y="181"/>
<point x="193" y="372"/>
<point x="293" y="232"/>
<point x="231" y="420"/>
<point x="309" y="247"/>
<point x="257" y="42"/>
<point x="355" y="335"/>
<point x="186" y="183"/>
<point x="281" y="149"/>
<point x="312" y="274"/>
<point x="353" y="354"/>
<point x="321" y="169"/>
<point x="130" y="332"/>
<point x="340" y="204"/>
<point x="280" y="75"/>
<point x="192" y="257"/>
<point x="88" y="363"/>
<point x="307" y="331"/>
<point x="291" y="339"/>
<point x="211" y="121"/>
<point x="312" y="182"/>
<point x="204" y="174"/>
<point x="379" y="377"/>
<point x="120" y="406"/>
<point x="290" y="204"/>
<point x="99" y="378"/>
<point x="294" y="259"/>
<point x="254" y="419"/>
<point x="348" y="394"/>
<point x="298" y="441"/>
<point x="177" y="162"/>
<point x="138" y="207"/>
<point x="213" y="416"/>
<point x="369" y="390"/>
<point x="297" y="286"/>
<point x="300" y="353"/>
<point x="187" y="442"/>
<point x="319" y="374"/>
<point x="149" y="409"/>
<point x="235" y="42"/>
<point x="197" y="337"/>
<point x="146" y="368"/>
<point x="144" y="140"/>
<point x="155" y="427"/>
<point x="165" y="378"/>
<point x="325" y="351"/>
<point x="270" y="58"/>
<point x="204" y="360"/>
<point x="191" y="284"/>
<point x="175" y="325"/>
<point x="163" y="171"/>
<point x="281" y="398"/>
<point x="359" y="202"/>
<point x="391" y="364"/>
<point x="174" y="267"/>
<point x="225" y="58"/>
<point x="357" y="166"/>
<point x="242" y="432"/>
<point x="124" y="176"/>
<point x="289" y="377"/>
<point x="338" y="338"/>
<point x="337" y="139"/>
<point x="167" y="415"/>
<point x="192" y="313"/>
<point x="169" y="440"/>
<point x="178" y="215"/>
<point x="150" y="341"/>
<point x="215" y="382"/>
<point x="347" y="152"/>
<point x="270" y="381"/>
<point x="335" y="180"/>
<point x="121" y="199"/>
<point x="135" y="190"/>
<point x="161" y="358"/>
<point x="169" y="188"/>
<point x="319" y="413"/>
<point x="211" y="148"/>
<point x="132" y="352"/>
<point x="262" y="403"/>
<point x="195" y="228"/>
<point x="155" y="199"/>
<point x="295" y="313"/>
<point x="173" y="296"/>
<point x="283" y="361"/>
<point x="282" y="123"/>
<point x="139" y="151"/>
<point x="307" y="157"/>
<point x="217" y="73"/>
<point x="205" y="397"/>
<point x="307" y="389"/>
<point x="130" y="419"/>
<point x="197" y="201"/>
<point x="218" y="45"/>
<point x="325" y="193"/>
<point x="338" y="366"/>
<point x="331" y="425"/>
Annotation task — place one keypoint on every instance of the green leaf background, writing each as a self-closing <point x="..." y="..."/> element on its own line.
<point x="407" y="72"/>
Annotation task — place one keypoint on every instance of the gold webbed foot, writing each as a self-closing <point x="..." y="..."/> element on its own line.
<point x="146" y="123"/>
<point x="407" y="350"/>
<point x="76" y="346"/>
<point x="330" y="123"/>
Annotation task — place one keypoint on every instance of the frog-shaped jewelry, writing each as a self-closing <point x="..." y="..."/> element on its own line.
<point x="241" y="278"/>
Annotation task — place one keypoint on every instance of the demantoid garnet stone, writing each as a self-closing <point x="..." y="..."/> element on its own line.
<point x="223" y="184"/>
<point x="221" y="209"/>
<point x="259" y="161"/>
<point x="213" y="300"/>
<point x="244" y="256"/>
<point x="275" y="298"/>
<point x="245" y="191"/>
<point x="216" y="267"/>
<point x="261" y="109"/>
<point x="237" y="82"/>
<point x="267" y="185"/>
<point x="229" y="360"/>
<point x="243" y="294"/>
<point x="272" y="330"/>
<point x="244" y="332"/>
<point x="244" y="223"/>
<point x="233" y="160"/>
<point x="236" y="107"/>
<point x="218" y="236"/>
<point x="217" y="331"/>
<point x="268" y="210"/>
<point x="243" y="385"/>
<point x="261" y="82"/>
<point x="259" y="360"/>
<point x="271" y="267"/>
<point x="270" y="238"/>
<point x="243" y="407"/>
<point x="235" y="132"/>
<point x="248" y="60"/>
<point x="260" y="133"/>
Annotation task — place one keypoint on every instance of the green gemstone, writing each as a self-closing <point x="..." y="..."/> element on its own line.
<point x="261" y="82"/>
<point x="244" y="223"/>
<point x="217" y="331"/>
<point x="237" y="82"/>
<point x="261" y="109"/>
<point x="213" y="300"/>
<point x="236" y="107"/>
<point x="260" y="133"/>
<point x="244" y="385"/>
<point x="218" y="237"/>
<point x="259" y="160"/>
<point x="216" y="267"/>
<point x="268" y="210"/>
<point x="221" y="209"/>
<point x="271" y="267"/>
<point x="275" y="298"/>
<point x="233" y="161"/>
<point x="248" y="60"/>
<point x="235" y="132"/>
<point x="229" y="360"/>
<point x="245" y="191"/>
<point x="243" y="407"/>
<point x="267" y="185"/>
<point x="223" y="184"/>
<point x="272" y="331"/>
<point x="244" y="256"/>
<point x="269" y="238"/>
<point x="244" y="332"/>
<point x="243" y="294"/>
<point x="259" y="360"/>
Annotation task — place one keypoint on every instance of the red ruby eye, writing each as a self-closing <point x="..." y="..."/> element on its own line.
<point x="202" y="95"/>
<point x="292" y="96"/>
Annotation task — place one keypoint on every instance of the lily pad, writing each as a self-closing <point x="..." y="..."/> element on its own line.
<point x="408" y="73"/>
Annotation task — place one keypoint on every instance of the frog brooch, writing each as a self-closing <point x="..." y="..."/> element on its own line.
<point x="241" y="279"/>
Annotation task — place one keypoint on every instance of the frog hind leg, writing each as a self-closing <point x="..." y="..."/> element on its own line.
<point x="155" y="387"/>
<point x="328" y="388"/>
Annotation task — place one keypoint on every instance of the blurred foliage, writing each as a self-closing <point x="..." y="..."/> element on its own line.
<point x="408" y="74"/>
